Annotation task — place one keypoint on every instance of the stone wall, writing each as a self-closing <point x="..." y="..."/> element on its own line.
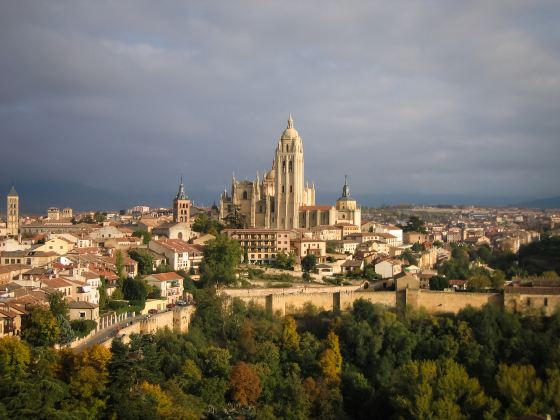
<point x="450" y="302"/>
<point x="293" y="300"/>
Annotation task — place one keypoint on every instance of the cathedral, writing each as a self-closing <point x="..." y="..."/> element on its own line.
<point x="283" y="199"/>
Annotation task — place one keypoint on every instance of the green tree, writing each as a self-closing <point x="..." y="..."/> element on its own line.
<point x="520" y="389"/>
<point x="221" y="257"/>
<point x="438" y="283"/>
<point x="309" y="262"/>
<point x="134" y="289"/>
<point x="41" y="328"/>
<point x="234" y="219"/>
<point x="205" y="224"/>
<point x="58" y="304"/>
<point x="100" y="217"/>
<point x="478" y="282"/>
<point x="144" y="234"/>
<point x="414" y="224"/>
<point x="409" y="256"/>
<point x="285" y="261"/>
<point x="119" y="264"/>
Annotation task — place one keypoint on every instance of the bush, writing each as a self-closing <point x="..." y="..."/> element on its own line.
<point x="83" y="327"/>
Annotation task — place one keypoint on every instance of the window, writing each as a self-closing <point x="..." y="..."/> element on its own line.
<point x="283" y="189"/>
<point x="291" y="188"/>
<point x="545" y="301"/>
<point x="290" y="167"/>
<point x="244" y="195"/>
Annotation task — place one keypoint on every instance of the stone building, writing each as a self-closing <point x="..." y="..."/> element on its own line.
<point x="282" y="199"/>
<point x="12" y="213"/>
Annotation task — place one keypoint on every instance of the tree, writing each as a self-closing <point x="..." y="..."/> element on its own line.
<point x="119" y="264"/>
<point x="414" y="224"/>
<point x="234" y="219"/>
<point x="438" y="283"/>
<point x="221" y="257"/>
<point x="309" y="262"/>
<point x="58" y="304"/>
<point x="331" y="359"/>
<point x="245" y="385"/>
<point x="100" y="217"/>
<point x="409" y="256"/>
<point x="290" y="336"/>
<point x="416" y="247"/>
<point x="144" y="259"/>
<point x="41" y="328"/>
<point x="134" y="289"/>
<point x="14" y="357"/>
<point x="144" y="234"/>
<point x="520" y="389"/>
<point x="479" y="282"/>
<point x="82" y="327"/>
<point x="285" y="261"/>
<point x="203" y="224"/>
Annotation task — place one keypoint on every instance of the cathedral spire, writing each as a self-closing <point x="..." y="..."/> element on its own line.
<point x="290" y="122"/>
<point x="346" y="188"/>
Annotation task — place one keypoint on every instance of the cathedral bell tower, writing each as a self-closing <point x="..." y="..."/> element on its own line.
<point x="289" y="188"/>
<point x="181" y="206"/>
<point x="12" y="213"/>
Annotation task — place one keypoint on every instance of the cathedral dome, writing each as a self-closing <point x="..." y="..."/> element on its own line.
<point x="290" y="132"/>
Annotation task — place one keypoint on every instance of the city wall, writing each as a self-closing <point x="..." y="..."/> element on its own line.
<point x="177" y="320"/>
<point x="294" y="300"/>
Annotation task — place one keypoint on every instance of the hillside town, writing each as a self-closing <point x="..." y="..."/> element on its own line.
<point x="92" y="259"/>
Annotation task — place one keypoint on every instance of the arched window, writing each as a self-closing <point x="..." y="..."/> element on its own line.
<point x="283" y="166"/>
<point x="290" y="166"/>
<point x="291" y="189"/>
<point x="283" y="189"/>
<point x="244" y="195"/>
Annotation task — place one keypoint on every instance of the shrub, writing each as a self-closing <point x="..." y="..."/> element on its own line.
<point x="83" y="327"/>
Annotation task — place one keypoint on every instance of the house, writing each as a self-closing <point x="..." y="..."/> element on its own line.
<point x="175" y="250"/>
<point x="352" y="266"/>
<point x="28" y="257"/>
<point x="11" y="317"/>
<point x="304" y="246"/>
<point x="414" y="237"/>
<point x="169" y="284"/>
<point x="59" y="245"/>
<point x="83" y="310"/>
<point x="346" y="246"/>
<point x="173" y="230"/>
<point x="388" y="268"/>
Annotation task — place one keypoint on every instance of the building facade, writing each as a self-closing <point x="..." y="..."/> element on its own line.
<point x="261" y="246"/>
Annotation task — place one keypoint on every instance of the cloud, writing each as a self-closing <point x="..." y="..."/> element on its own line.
<point x="430" y="97"/>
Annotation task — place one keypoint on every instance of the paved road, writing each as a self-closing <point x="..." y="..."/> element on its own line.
<point x="108" y="332"/>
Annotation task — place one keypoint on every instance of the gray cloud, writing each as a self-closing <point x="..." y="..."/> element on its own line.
<point x="431" y="97"/>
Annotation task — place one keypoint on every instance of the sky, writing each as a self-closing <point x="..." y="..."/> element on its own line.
<point x="409" y="98"/>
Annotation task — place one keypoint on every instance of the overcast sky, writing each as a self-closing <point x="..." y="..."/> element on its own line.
<point x="430" y="97"/>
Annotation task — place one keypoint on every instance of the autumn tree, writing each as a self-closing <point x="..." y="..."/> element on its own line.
<point x="41" y="328"/>
<point x="290" y="336"/>
<point x="14" y="357"/>
<point x="245" y="386"/>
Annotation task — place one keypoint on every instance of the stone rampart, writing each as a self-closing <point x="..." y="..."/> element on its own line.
<point x="293" y="300"/>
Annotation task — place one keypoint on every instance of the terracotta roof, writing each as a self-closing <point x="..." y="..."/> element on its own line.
<point x="82" y="305"/>
<point x="56" y="283"/>
<point x="166" y="276"/>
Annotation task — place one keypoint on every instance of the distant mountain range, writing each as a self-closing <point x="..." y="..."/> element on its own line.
<point x="37" y="196"/>
<point x="543" y="203"/>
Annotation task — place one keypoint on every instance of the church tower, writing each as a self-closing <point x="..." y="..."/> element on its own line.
<point x="181" y="206"/>
<point x="289" y="176"/>
<point x="12" y="213"/>
<point x="347" y="210"/>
